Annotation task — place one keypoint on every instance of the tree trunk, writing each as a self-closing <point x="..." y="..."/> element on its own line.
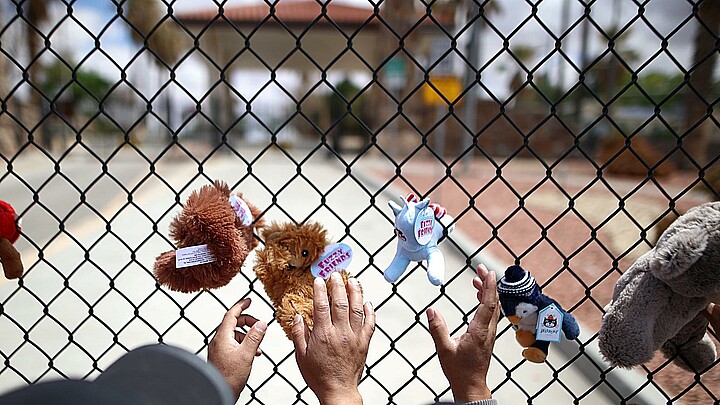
<point x="469" y="108"/>
<point x="36" y="14"/>
<point x="8" y="141"/>
<point x="399" y="15"/>
<point x="699" y="95"/>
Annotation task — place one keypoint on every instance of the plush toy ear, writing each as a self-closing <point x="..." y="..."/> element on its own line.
<point x="272" y="232"/>
<point x="674" y="255"/>
<point x="394" y="207"/>
<point x="271" y="236"/>
<point x="423" y="204"/>
<point x="222" y="188"/>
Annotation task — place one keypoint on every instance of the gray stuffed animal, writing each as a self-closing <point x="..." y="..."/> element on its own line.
<point x="658" y="302"/>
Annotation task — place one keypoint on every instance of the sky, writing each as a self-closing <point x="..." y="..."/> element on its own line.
<point x="89" y="18"/>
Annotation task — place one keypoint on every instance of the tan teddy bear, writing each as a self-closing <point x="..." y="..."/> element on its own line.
<point x="283" y="267"/>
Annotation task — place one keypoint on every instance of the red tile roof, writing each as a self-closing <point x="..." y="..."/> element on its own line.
<point x="292" y="12"/>
<point x="287" y="11"/>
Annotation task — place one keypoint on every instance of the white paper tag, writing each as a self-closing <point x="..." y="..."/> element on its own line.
<point x="335" y="257"/>
<point x="424" y="224"/>
<point x="549" y="324"/>
<point x="241" y="210"/>
<point x="193" y="256"/>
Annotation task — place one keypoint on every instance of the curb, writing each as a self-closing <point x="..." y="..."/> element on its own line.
<point x="614" y="383"/>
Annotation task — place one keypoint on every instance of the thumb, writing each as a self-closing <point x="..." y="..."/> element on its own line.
<point x="438" y="330"/>
<point x="250" y="345"/>
<point x="298" y="334"/>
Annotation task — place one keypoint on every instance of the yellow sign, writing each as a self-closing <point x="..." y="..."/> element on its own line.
<point x="448" y="87"/>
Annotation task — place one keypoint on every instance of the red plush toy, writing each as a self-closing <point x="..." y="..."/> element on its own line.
<point x="9" y="233"/>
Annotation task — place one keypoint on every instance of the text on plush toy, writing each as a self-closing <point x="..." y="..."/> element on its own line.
<point x="193" y="256"/>
<point x="425" y="227"/>
<point x="424" y="224"/>
<point x="336" y="257"/>
<point x="242" y="211"/>
<point x="549" y="324"/>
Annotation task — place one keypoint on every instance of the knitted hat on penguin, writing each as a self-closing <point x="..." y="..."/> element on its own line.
<point x="517" y="282"/>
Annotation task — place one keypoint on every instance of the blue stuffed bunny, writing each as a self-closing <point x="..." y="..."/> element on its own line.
<point x="419" y="226"/>
<point x="521" y="302"/>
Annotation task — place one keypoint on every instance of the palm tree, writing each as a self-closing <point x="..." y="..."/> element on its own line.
<point x="8" y="142"/>
<point x="610" y="72"/>
<point x="161" y="37"/>
<point x="36" y="13"/>
<point x="75" y="98"/>
<point x="473" y="53"/>
<point x="700" y="94"/>
<point x="524" y="55"/>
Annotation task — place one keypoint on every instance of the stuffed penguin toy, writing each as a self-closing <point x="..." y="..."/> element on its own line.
<point x="535" y="316"/>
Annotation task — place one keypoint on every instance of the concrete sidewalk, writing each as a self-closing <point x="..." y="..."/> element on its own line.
<point x="97" y="308"/>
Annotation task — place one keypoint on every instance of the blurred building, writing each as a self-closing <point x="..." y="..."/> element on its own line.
<point x="314" y="41"/>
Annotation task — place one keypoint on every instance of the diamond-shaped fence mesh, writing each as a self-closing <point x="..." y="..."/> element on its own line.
<point x="561" y="135"/>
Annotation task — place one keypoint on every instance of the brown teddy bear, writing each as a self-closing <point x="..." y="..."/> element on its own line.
<point x="214" y="234"/>
<point x="284" y="268"/>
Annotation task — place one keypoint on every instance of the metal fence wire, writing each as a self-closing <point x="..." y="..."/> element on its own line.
<point x="561" y="135"/>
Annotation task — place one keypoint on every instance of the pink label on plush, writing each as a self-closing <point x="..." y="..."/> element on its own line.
<point x="336" y="257"/>
<point x="241" y="210"/>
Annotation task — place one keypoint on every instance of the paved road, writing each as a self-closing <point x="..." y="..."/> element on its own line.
<point x="59" y="190"/>
<point x="92" y="296"/>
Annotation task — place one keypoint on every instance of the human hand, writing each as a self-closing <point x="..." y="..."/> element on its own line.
<point x="332" y="355"/>
<point x="465" y="359"/>
<point x="231" y="351"/>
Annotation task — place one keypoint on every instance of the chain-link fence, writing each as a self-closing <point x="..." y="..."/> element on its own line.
<point x="561" y="135"/>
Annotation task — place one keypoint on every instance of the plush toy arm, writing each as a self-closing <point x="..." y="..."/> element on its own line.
<point x="692" y="346"/>
<point x="396" y="268"/>
<point x="291" y="305"/>
<point x="570" y="326"/>
<point x="436" y="267"/>
<point x="165" y="271"/>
